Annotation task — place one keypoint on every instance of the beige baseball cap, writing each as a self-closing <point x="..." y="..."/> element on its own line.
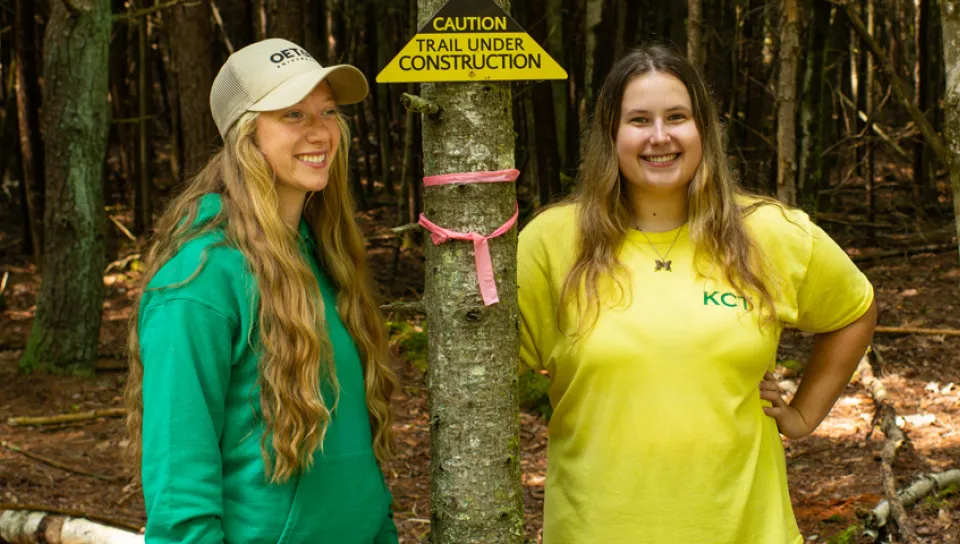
<point x="274" y="74"/>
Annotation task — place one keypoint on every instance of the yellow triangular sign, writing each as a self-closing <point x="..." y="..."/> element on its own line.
<point x="471" y="40"/>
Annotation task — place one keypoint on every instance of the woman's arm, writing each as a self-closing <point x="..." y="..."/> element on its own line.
<point x="185" y="347"/>
<point x="833" y="359"/>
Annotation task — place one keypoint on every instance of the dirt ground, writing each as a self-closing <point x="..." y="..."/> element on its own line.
<point x="833" y="474"/>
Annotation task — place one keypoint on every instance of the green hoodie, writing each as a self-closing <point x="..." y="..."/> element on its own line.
<point x="203" y="473"/>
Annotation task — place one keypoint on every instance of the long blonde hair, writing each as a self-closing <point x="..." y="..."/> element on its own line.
<point x="715" y="217"/>
<point x="290" y="310"/>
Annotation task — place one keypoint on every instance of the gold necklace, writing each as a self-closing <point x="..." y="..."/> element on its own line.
<point x="662" y="263"/>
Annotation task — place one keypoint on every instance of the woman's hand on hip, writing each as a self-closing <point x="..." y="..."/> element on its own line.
<point x="789" y="420"/>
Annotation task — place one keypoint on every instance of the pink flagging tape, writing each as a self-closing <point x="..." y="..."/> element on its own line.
<point x="472" y="177"/>
<point x="481" y="252"/>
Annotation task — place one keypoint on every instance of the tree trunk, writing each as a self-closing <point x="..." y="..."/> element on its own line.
<point x="553" y="43"/>
<point x="474" y="417"/>
<point x="28" y="119"/>
<point x="76" y="117"/>
<point x="143" y="205"/>
<point x="860" y="77"/>
<point x="868" y="137"/>
<point x="191" y="34"/>
<point x="544" y="116"/>
<point x="592" y="18"/>
<point x="716" y="47"/>
<point x="314" y="13"/>
<point x="573" y="23"/>
<point x="238" y="17"/>
<point x="379" y="58"/>
<point x="120" y="141"/>
<point x="695" y="33"/>
<point x="832" y="108"/>
<point x="751" y="141"/>
<point x="921" y="159"/>
<point x="603" y="51"/>
<point x="950" y="17"/>
<point x="812" y="118"/>
<point x="285" y="19"/>
<point x="787" y="104"/>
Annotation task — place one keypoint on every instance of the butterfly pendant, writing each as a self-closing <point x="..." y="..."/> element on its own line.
<point x="663" y="265"/>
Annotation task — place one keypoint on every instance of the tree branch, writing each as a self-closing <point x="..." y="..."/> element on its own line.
<point x="56" y="464"/>
<point x="873" y="126"/>
<point x="73" y="10"/>
<point x="929" y="134"/>
<point x="129" y="17"/>
<point x="922" y="487"/>
<point x="419" y="105"/>
<point x="405" y="228"/>
<point x="895" y="439"/>
<point x="66" y="418"/>
<point x="404" y="307"/>
<point x="223" y="30"/>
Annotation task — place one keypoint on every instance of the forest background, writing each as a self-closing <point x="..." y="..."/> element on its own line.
<point x="847" y="110"/>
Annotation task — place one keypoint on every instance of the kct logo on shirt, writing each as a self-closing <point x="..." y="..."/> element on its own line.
<point x="730" y="300"/>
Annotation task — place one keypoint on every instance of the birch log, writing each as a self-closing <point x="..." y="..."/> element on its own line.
<point x="26" y="527"/>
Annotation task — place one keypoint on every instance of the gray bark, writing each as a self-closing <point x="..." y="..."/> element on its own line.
<point x="31" y="147"/>
<point x="813" y="109"/>
<point x="594" y="14"/>
<point x="695" y="33"/>
<point x="950" y="16"/>
<point x="285" y="19"/>
<point x="474" y="432"/>
<point x="76" y="117"/>
<point x="787" y="104"/>
<point x="191" y="34"/>
<point x="921" y="159"/>
<point x="554" y="46"/>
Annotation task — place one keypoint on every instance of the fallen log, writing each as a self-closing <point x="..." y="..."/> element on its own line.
<point x="914" y="330"/>
<point x="895" y="439"/>
<point x="67" y="418"/>
<point x="904" y="252"/>
<point x="925" y="485"/>
<point x="26" y="526"/>
<point x="57" y="464"/>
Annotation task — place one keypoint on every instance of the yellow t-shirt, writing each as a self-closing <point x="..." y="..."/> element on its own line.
<point x="658" y="434"/>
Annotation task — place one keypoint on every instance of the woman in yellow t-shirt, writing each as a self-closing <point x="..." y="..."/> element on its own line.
<point x="655" y="297"/>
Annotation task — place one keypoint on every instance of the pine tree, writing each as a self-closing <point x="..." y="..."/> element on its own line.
<point x="474" y="432"/>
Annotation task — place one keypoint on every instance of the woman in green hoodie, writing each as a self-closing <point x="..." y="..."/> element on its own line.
<point x="259" y="385"/>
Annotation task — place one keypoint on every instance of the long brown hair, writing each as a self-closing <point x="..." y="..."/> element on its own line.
<point x="716" y="218"/>
<point x="290" y="311"/>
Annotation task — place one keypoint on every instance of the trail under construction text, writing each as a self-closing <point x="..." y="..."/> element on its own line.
<point x="469" y="53"/>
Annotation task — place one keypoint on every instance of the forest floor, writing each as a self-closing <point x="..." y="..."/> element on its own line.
<point x="833" y="474"/>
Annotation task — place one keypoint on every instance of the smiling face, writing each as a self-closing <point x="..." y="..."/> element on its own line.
<point x="658" y="144"/>
<point x="300" y="143"/>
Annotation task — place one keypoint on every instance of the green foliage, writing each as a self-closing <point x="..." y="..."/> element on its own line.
<point x="848" y="536"/>
<point x="535" y="393"/>
<point x="791" y="364"/>
<point x="411" y="342"/>
<point x="943" y="498"/>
